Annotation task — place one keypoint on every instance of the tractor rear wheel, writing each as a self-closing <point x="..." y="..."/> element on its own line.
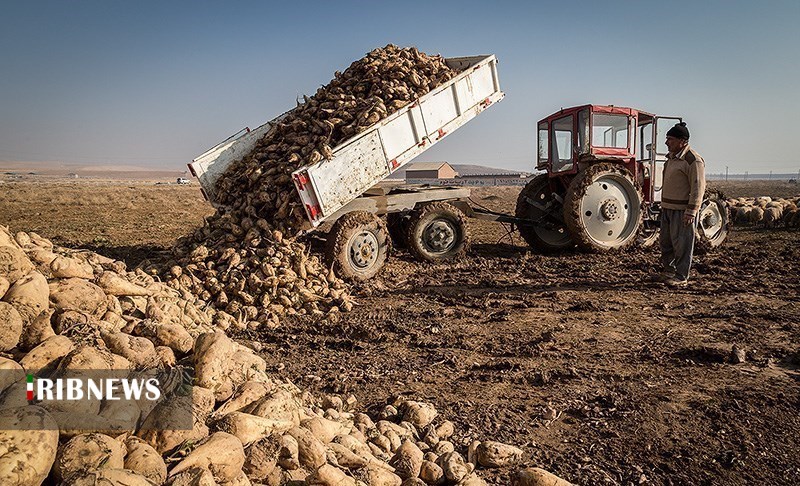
<point x="603" y="208"/>
<point x="537" y="203"/>
<point x="358" y="245"/>
<point x="712" y="223"/>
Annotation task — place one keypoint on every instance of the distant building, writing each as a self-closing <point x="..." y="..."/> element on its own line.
<point x="443" y="174"/>
<point x="430" y="170"/>
<point x="72" y="175"/>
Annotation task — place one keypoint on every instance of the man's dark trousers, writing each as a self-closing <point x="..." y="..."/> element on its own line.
<point x="677" y="243"/>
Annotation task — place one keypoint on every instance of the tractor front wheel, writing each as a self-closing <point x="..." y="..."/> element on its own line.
<point x="712" y="223"/>
<point x="603" y="208"/>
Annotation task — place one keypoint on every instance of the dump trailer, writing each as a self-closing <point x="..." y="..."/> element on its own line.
<point x="343" y="194"/>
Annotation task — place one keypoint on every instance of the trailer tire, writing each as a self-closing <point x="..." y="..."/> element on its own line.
<point x="437" y="232"/>
<point x="358" y="245"/>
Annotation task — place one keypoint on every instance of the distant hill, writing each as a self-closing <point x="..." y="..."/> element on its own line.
<point x="60" y="169"/>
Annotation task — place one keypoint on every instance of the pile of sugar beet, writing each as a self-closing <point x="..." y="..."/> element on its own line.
<point x="65" y="311"/>
<point x="245" y="261"/>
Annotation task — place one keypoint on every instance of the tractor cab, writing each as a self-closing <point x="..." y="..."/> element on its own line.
<point x="573" y="138"/>
<point x="602" y="187"/>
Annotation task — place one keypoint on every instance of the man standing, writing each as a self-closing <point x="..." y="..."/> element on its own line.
<point x="682" y="193"/>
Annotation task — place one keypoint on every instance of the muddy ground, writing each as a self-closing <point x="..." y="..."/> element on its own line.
<point x="601" y="376"/>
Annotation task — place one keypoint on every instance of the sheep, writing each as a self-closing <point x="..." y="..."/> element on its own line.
<point x="742" y="215"/>
<point x="789" y="217"/>
<point x="756" y="215"/>
<point x="796" y="220"/>
<point x="772" y="216"/>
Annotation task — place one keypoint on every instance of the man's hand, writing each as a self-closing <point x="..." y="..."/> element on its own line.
<point x="688" y="219"/>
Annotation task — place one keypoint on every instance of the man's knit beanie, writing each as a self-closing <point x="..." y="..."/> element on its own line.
<point x="679" y="131"/>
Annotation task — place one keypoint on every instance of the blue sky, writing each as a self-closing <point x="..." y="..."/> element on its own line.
<point x="157" y="83"/>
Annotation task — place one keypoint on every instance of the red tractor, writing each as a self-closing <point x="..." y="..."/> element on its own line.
<point x="602" y="189"/>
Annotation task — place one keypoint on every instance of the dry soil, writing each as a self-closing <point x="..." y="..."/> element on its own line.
<point x="601" y="376"/>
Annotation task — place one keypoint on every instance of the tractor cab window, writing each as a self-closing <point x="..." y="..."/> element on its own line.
<point x="609" y="130"/>
<point x="663" y="124"/>
<point x="645" y="149"/>
<point x="543" y="149"/>
<point x="583" y="131"/>
<point x="562" y="141"/>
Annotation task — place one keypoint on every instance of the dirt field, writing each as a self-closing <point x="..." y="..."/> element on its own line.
<point x="601" y="376"/>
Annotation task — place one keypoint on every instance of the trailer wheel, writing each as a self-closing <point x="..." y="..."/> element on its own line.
<point x="437" y="232"/>
<point x="358" y="245"/>
<point x="536" y="202"/>
<point x="712" y="223"/>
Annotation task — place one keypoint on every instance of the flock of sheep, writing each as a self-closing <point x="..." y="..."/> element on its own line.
<point x="765" y="211"/>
